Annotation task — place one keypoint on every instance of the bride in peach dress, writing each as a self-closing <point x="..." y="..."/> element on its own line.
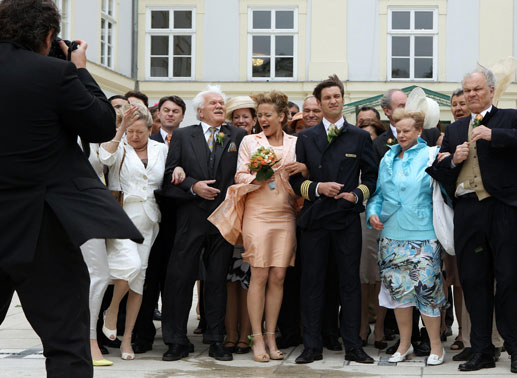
<point x="262" y="215"/>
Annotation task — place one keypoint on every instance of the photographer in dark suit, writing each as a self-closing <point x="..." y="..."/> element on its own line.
<point x="51" y="199"/>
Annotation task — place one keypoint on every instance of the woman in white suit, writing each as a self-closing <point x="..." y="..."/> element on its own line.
<point x="137" y="165"/>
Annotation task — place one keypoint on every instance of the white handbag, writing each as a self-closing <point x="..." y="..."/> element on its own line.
<point x="443" y="214"/>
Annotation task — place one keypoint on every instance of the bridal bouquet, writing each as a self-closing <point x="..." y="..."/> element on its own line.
<point x="262" y="162"/>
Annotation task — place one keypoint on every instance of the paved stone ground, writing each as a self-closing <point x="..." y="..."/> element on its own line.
<point x="21" y="357"/>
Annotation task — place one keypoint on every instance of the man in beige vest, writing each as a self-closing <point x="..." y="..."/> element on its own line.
<point x="479" y="175"/>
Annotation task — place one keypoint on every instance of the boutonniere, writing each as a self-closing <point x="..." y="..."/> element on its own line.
<point x="477" y="121"/>
<point x="219" y="138"/>
<point x="391" y="142"/>
<point x="333" y="133"/>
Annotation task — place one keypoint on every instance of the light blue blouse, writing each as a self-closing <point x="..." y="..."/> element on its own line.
<point x="403" y="199"/>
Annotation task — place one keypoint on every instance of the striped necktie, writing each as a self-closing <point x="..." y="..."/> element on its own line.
<point x="211" y="138"/>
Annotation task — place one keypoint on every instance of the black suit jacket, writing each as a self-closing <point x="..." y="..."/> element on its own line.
<point x="348" y="157"/>
<point x="157" y="137"/>
<point x="189" y="150"/>
<point x="45" y="104"/>
<point x="497" y="158"/>
<point x="380" y="143"/>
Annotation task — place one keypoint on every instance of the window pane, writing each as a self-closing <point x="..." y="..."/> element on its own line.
<point x="400" y="20"/>
<point x="183" y="20"/>
<point x="284" y="67"/>
<point x="423" y="46"/>
<point x="182" y="67"/>
<point x="110" y="31"/>
<point x="424" y="20"/>
<point x="261" y="45"/>
<point x="160" y="19"/>
<point x="400" y="46"/>
<point x="159" y="45"/>
<point x="424" y="68"/>
<point x="284" y="20"/>
<point x="103" y="31"/>
<point x="261" y="67"/>
<point x="284" y="45"/>
<point x="104" y="6"/>
<point x="400" y="68"/>
<point x="182" y="45"/>
<point x="261" y="19"/>
<point x="103" y="55"/>
<point x="160" y="67"/>
<point x="110" y="7"/>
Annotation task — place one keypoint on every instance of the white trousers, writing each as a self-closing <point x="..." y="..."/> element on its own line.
<point x="96" y="259"/>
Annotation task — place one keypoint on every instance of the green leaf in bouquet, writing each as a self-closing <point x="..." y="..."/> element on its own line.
<point x="265" y="173"/>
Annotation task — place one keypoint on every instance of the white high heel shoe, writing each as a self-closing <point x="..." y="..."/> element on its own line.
<point x="398" y="357"/>
<point x="109" y="333"/>
<point x="434" y="359"/>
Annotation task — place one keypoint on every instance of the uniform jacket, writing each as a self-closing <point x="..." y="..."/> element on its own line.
<point x="497" y="158"/>
<point x="347" y="158"/>
<point x="46" y="104"/>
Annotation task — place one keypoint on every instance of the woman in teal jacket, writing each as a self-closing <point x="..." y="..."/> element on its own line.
<point x="409" y="253"/>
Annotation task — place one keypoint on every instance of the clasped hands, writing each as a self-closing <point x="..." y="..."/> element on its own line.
<point x="202" y="188"/>
<point x="332" y="189"/>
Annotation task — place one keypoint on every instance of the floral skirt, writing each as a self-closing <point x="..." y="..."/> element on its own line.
<point x="239" y="270"/>
<point x="411" y="275"/>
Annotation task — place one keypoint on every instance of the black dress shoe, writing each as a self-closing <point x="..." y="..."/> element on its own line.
<point x="464" y="355"/>
<point x="422" y="349"/>
<point x="513" y="365"/>
<point x="477" y="362"/>
<point x="219" y="352"/>
<point x="103" y="349"/>
<point x="287" y="342"/>
<point x="176" y="352"/>
<point x="331" y="342"/>
<point x="109" y="343"/>
<point x="358" y="355"/>
<point x="141" y="347"/>
<point x="380" y="344"/>
<point x="157" y="315"/>
<point x="242" y="348"/>
<point x="392" y="349"/>
<point x="190" y="347"/>
<point x="309" y="355"/>
<point x="497" y="354"/>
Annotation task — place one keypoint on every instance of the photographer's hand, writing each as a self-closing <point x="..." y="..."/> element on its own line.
<point x="79" y="55"/>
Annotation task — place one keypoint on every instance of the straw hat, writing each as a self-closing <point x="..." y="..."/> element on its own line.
<point x="239" y="102"/>
<point x="418" y="102"/>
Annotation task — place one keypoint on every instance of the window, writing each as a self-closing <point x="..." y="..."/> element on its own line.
<point x="107" y="32"/>
<point x="412" y="44"/>
<point x="170" y="43"/>
<point x="64" y="9"/>
<point x="272" y="44"/>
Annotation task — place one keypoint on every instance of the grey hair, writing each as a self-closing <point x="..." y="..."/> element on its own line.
<point x="457" y="92"/>
<point x="386" y="98"/>
<point x="199" y="101"/>
<point x="487" y="73"/>
<point x="142" y="111"/>
<point x="309" y="97"/>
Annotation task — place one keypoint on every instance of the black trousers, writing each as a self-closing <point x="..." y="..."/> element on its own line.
<point x="193" y="234"/>
<point x="289" y="317"/>
<point x="330" y="313"/>
<point x="486" y="249"/>
<point x="154" y="282"/>
<point x="316" y="247"/>
<point x="53" y="291"/>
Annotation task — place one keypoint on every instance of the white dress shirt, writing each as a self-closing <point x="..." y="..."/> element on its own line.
<point x="393" y="130"/>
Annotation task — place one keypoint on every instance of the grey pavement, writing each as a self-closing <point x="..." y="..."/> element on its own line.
<point x="21" y="357"/>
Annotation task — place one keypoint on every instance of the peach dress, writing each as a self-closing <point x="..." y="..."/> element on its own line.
<point x="262" y="218"/>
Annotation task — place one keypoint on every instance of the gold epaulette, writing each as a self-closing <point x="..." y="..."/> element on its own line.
<point x="304" y="189"/>
<point x="365" y="190"/>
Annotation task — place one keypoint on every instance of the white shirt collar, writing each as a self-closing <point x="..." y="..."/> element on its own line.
<point x="393" y="130"/>
<point x="483" y="113"/>
<point x="164" y="135"/>
<point x="327" y="123"/>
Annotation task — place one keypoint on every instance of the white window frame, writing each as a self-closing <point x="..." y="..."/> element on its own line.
<point x="64" y="7"/>
<point x="170" y="32"/>
<point x="412" y="33"/>
<point x="272" y="32"/>
<point x="105" y="46"/>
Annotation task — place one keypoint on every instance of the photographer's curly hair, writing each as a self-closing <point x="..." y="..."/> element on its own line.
<point x="28" y="22"/>
<point x="278" y="99"/>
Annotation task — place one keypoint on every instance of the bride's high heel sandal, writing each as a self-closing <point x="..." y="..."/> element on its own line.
<point x="274" y="354"/>
<point x="109" y="333"/>
<point x="258" y="357"/>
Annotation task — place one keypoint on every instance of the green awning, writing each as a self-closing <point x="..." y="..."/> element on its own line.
<point x="353" y="107"/>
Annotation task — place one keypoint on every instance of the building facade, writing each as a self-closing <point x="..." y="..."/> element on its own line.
<point x="164" y="47"/>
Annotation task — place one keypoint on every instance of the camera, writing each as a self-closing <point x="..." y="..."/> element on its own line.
<point x="56" y="52"/>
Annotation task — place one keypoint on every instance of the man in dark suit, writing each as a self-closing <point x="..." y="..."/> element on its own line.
<point x="51" y="199"/>
<point x="171" y="111"/>
<point x="479" y="174"/>
<point x="391" y="100"/>
<point x="208" y="154"/>
<point x="336" y="154"/>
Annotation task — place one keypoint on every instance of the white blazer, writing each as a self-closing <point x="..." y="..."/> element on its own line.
<point x="136" y="181"/>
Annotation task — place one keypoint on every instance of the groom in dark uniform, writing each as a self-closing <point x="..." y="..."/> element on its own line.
<point x="479" y="174"/>
<point x="337" y="154"/>
<point x="208" y="154"/>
